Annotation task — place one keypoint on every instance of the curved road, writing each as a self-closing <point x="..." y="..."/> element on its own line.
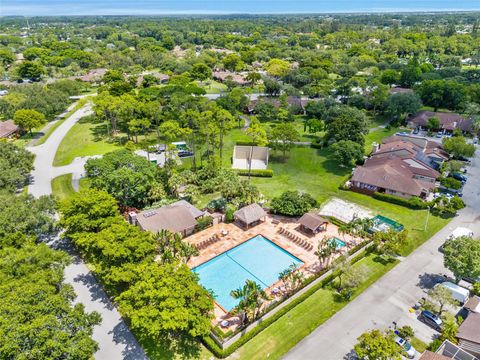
<point x="113" y="336"/>
<point x="391" y="296"/>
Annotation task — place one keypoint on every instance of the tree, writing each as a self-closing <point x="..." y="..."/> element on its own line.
<point x="257" y="132"/>
<point x="442" y="93"/>
<point x="86" y="211"/>
<point x="291" y="279"/>
<point x="376" y="345"/>
<point x="31" y="70"/>
<point x="461" y="256"/>
<point x="39" y="320"/>
<point x="233" y="62"/>
<point x="442" y="296"/>
<point x="126" y="176"/>
<point x="283" y="136"/>
<point x="253" y="77"/>
<point x="353" y="277"/>
<point x="277" y="67"/>
<point x="28" y="119"/>
<point x="390" y="77"/>
<point x="293" y="203"/>
<point x="325" y="249"/>
<point x="167" y="301"/>
<point x="406" y="332"/>
<point x="201" y="71"/>
<point x="251" y="298"/>
<point x="401" y="104"/>
<point x="449" y="329"/>
<point x="27" y="216"/>
<point x="457" y="146"/>
<point x="272" y="87"/>
<point x="347" y="123"/>
<point x="390" y="243"/>
<point x="15" y="166"/>
<point x="410" y="75"/>
<point x="433" y="123"/>
<point x="347" y="152"/>
<point x="171" y="248"/>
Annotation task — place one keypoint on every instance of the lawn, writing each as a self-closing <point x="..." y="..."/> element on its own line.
<point x="377" y="136"/>
<point x="281" y="336"/>
<point x="62" y="186"/>
<point x="83" y="139"/>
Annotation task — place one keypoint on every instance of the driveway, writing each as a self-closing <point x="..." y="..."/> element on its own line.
<point x="113" y="336"/>
<point x="391" y="297"/>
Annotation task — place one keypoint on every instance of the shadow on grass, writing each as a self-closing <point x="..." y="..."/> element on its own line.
<point x="171" y="348"/>
<point x="383" y="260"/>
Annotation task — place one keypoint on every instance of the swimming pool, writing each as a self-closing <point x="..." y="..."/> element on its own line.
<point x="256" y="259"/>
<point x="338" y="243"/>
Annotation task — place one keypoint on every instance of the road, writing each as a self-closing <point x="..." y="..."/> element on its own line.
<point x="113" y="336"/>
<point x="390" y="298"/>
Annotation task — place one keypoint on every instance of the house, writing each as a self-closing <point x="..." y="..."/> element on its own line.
<point x="94" y="75"/>
<point x="393" y="176"/>
<point x="469" y="334"/>
<point x="290" y="101"/>
<point x="399" y="90"/>
<point x="448" y="121"/>
<point x="473" y="304"/>
<point x="447" y="351"/>
<point x="223" y="76"/>
<point x="179" y="217"/>
<point x="250" y="157"/>
<point x="433" y="153"/>
<point x="250" y="215"/>
<point x="8" y="128"/>
<point x="312" y="223"/>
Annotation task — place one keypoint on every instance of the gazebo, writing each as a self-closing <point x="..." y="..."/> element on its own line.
<point x="312" y="223"/>
<point x="251" y="214"/>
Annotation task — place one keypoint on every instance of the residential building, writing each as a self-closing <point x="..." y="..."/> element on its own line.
<point x="447" y="351"/>
<point x="469" y="333"/>
<point x="448" y="121"/>
<point x="8" y="128"/>
<point x="179" y="217"/>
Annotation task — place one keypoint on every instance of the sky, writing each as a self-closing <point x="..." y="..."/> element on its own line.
<point x="152" y="7"/>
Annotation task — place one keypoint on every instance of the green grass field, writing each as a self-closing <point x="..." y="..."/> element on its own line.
<point x="62" y="186"/>
<point x="83" y="139"/>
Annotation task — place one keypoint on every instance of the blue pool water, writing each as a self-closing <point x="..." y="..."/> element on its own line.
<point x="256" y="259"/>
<point x="339" y="243"/>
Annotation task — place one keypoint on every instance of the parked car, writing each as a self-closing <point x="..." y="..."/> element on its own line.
<point x="431" y="320"/>
<point x="402" y="133"/>
<point x="464" y="159"/>
<point x="416" y="131"/>
<point x="439" y="134"/>
<point x="458" y="176"/>
<point x="458" y="293"/>
<point x="406" y="346"/>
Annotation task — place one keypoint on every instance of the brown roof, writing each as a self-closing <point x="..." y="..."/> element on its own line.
<point x="470" y="328"/>
<point x="390" y="173"/>
<point x="7" y="128"/>
<point x="428" y="355"/>
<point x="92" y="75"/>
<point x="399" y="90"/>
<point x="250" y="213"/>
<point x="448" y="121"/>
<point x="225" y="75"/>
<point x="175" y="218"/>
<point x="473" y="304"/>
<point x="312" y="221"/>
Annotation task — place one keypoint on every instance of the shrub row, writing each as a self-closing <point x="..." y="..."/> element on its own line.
<point x="412" y="203"/>
<point x="246" y="143"/>
<point x="256" y="173"/>
<point x="223" y="353"/>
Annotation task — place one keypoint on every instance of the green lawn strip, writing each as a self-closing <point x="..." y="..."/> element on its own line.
<point x="418" y="344"/>
<point x="283" y="334"/>
<point x="83" y="139"/>
<point x="377" y="136"/>
<point x="84" y="184"/>
<point x="62" y="186"/>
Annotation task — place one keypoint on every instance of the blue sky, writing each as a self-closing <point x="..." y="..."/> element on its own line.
<point x="152" y="7"/>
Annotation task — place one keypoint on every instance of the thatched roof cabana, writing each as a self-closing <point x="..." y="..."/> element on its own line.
<point x="313" y="222"/>
<point x="250" y="214"/>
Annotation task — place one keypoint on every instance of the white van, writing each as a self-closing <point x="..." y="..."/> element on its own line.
<point x="458" y="293"/>
<point x="461" y="231"/>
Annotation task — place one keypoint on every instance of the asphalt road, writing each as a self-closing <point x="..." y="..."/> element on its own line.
<point x="113" y="336"/>
<point x="390" y="298"/>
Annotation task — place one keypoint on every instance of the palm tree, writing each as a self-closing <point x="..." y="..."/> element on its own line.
<point x="325" y="249"/>
<point x="291" y="278"/>
<point x="253" y="77"/>
<point x="251" y="297"/>
<point x="172" y="248"/>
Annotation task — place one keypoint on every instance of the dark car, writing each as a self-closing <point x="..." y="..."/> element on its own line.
<point x="459" y="177"/>
<point x="431" y="320"/>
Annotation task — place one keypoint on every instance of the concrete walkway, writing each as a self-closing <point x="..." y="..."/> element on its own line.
<point x="390" y="297"/>
<point x="113" y="336"/>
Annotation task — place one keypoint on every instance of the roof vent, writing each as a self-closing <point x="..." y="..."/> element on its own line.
<point x="149" y="214"/>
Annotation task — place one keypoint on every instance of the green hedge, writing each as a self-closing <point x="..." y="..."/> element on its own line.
<point x="412" y="203"/>
<point x="256" y="173"/>
<point x="223" y="353"/>
<point x="246" y="143"/>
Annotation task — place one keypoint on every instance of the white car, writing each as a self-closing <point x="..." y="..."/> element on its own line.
<point x="405" y="345"/>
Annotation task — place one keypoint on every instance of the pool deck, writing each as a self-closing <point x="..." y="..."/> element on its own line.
<point x="231" y="235"/>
